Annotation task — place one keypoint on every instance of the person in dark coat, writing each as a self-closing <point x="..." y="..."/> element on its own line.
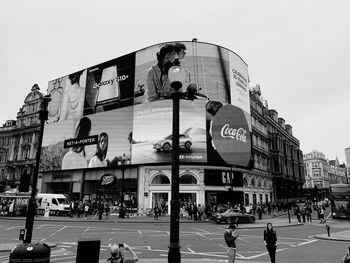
<point x="101" y="209"/>
<point x="270" y="240"/>
<point x="195" y="212"/>
<point x="230" y="239"/>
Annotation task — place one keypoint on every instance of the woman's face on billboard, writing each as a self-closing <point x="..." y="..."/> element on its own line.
<point x="103" y="142"/>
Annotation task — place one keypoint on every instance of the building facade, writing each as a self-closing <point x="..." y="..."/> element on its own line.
<point x="277" y="154"/>
<point x="18" y="144"/>
<point x="316" y="170"/>
<point x="336" y="172"/>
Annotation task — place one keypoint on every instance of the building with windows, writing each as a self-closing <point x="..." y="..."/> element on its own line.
<point x="336" y="172"/>
<point x="316" y="170"/>
<point x="276" y="152"/>
<point x="18" y="144"/>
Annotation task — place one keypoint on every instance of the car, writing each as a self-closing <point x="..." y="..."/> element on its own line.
<point x="233" y="215"/>
<point x="165" y="144"/>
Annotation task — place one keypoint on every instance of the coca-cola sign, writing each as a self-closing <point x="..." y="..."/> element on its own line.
<point x="231" y="135"/>
<point x="234" y="134"/>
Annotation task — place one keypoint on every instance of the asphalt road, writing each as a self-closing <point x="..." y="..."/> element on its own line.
<point x="198" y="240"/>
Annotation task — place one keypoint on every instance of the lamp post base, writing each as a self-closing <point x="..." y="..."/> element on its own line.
<point x="174" y="255"/>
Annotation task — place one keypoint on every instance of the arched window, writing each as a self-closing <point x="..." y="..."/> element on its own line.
<point x="188" y="179"/>
<point x="160" y="179"/>
<point x="259" y="184"/>
<point x="253" y="183"/>
<point x="245" y="182"/>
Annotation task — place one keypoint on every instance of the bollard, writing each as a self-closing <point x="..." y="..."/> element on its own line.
<point x="328" y="229"/>
<point x="29" y="252"/>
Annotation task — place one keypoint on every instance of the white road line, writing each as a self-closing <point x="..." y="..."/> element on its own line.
<point x="192" y="251"/>
<point x="55" y="259"/>
<point x="307" y="242"/>
<point x="200" y="234"/>
<point x="63" y="246"/>
<point x="202" y="230"/>
<point x="85" y="231"/>
<point x="53" y="234"/>
<point x="265" y="253"/>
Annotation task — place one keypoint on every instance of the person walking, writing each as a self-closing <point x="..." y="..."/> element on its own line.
<point x="270" y="240"/>
<point x="230" y="239"/>
<point x="47" y="212"/>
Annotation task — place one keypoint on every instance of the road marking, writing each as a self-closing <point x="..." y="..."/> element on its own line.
<point x="202" y="230"/>
<point x="55" y="259"/>
<point x="192" y="251"/>
<point x="87" y="229"/>
<point x="53" y="234"/>
<point x="307" y="242"/>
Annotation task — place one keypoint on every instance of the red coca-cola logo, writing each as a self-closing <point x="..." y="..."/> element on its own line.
<point x="231" y="135"/>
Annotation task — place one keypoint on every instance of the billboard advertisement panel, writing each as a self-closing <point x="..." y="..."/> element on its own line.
<point x="123" y="106"/>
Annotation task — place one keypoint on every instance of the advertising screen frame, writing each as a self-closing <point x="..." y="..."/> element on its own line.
<point x="216" y="72"/>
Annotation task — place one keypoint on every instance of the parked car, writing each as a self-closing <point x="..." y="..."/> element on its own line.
<point x="233" y="215"/>
<point x="165" y="144"/>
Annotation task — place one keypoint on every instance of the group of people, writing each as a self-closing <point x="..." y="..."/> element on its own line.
<point x="95" y="208"/>
<point x="269" y="236"/>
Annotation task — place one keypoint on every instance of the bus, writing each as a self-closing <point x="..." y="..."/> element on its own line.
<point x="340" y="201"/>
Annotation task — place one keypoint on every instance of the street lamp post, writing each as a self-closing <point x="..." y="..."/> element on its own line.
<point x="122" y="166"/>
<point x="43" y="115"/>
<point x="176" y="76"/>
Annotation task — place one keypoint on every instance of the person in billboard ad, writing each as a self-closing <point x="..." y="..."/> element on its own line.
<point x="99" y="159"/>
<point x="67" y="97"/>
<point x="206" y="66"/>
<point x="99" y="140"/>
<point x="152" y="132"/>
<point x="75" y="158"/>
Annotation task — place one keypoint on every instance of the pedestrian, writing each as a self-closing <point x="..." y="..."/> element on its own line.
<point x="101" y="209"/>
<point x="118" y="257"/>
<point x="230" y="239"/>
<point x="47" y="212"/>
<point x="303" y="213"/>
<point x="107" y="210"/>
<point x="346" y="258"/>
<point x="321" y="212"/>
<point x="298" y="214"/>
<point x="308" y="212"/>
<point x="270" y="240"/>
<point x="86" y="210"/>
<point x="259" y="211"/>
<point x="195" y="212"/>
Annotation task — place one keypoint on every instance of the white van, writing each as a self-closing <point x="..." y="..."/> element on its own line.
<point x="58" y="203"/>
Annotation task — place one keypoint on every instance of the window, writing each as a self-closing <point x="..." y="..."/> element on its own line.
<point x="160" y="179"/>
<point x="188" y="179"/>
<point x="54" y="201"/>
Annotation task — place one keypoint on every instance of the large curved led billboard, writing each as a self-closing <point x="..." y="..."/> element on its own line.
<point x="122" y="108"/>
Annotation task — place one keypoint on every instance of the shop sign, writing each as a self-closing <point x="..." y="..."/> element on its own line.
<point x="107" y="179"/>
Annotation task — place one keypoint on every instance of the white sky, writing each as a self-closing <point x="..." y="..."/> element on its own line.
<point x="298" y="51"/>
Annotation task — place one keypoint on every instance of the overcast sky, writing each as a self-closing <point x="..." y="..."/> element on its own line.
<point x="298" y="51"/>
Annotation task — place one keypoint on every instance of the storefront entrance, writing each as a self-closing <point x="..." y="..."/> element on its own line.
<point x="162" y="201"/>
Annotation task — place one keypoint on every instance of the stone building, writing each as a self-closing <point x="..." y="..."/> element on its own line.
<point x="18" y="144"/>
